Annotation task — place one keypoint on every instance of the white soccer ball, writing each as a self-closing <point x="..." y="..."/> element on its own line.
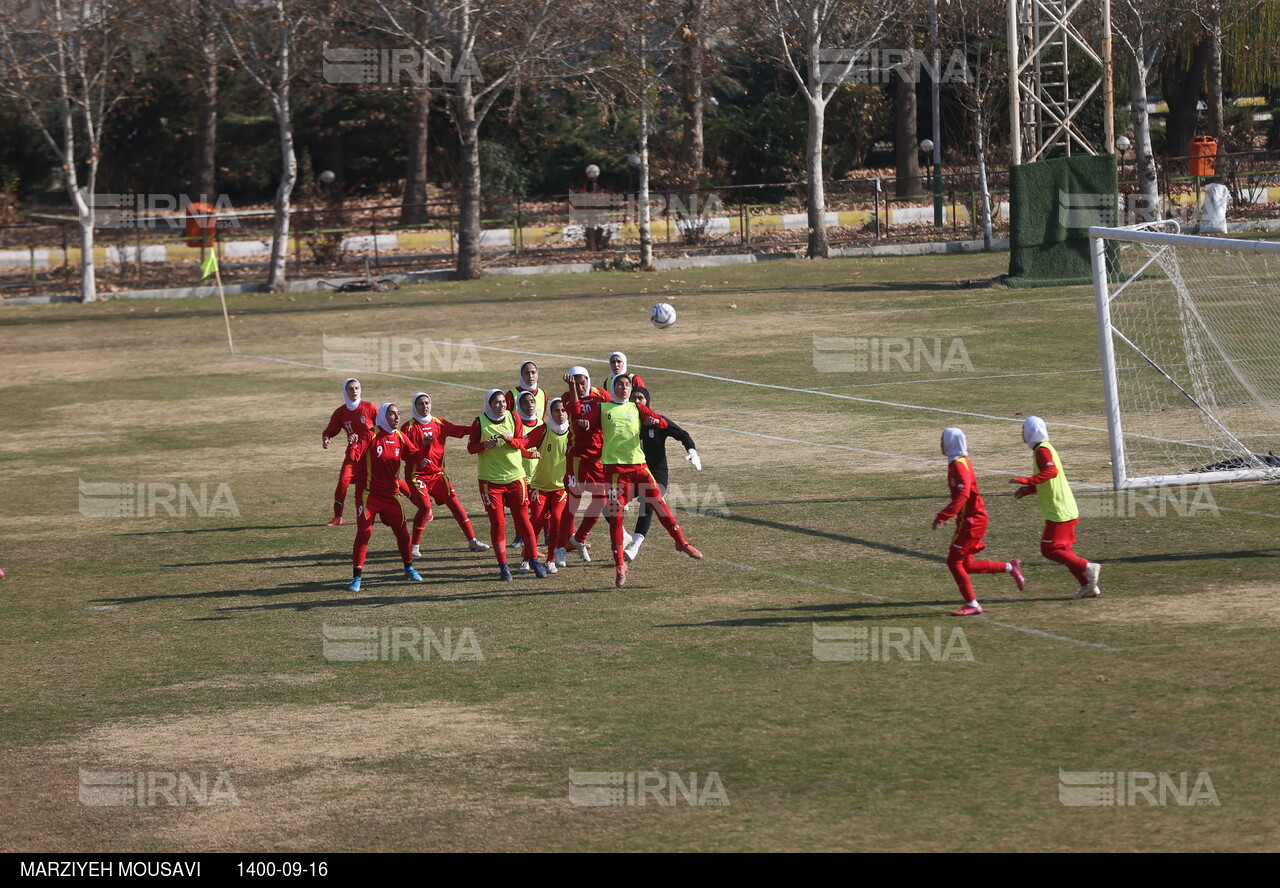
<point x="663" y="315"/>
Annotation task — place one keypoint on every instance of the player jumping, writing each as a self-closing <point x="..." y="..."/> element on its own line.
<point x="426" y="475"/>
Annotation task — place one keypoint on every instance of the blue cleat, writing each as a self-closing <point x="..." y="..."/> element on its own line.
<point x="505" y="574"/>
<point x="355" y="585"/>
<point x="411" y="574"/>
<point x="539" y="569"/>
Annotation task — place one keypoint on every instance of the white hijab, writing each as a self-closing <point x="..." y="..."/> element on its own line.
<point x="624" y="362"/>
<point x="527" y="418"/>
<point x="562" y="427"/>
<point x="416" y="415"/>
<point x="580" y="371"/>
<point x="382" y="417"/>
<point x="351" y="405"/>
<point x="954" y="444"/>
<point x="520" y="381"/>
<point x="488" y="398"/>
<point x="1034" y="431"/>
<point x="613" y="389"/>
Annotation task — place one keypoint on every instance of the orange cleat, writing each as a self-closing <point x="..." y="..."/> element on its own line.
<point x="337" y="519"/>
<point x="688" y="549"/>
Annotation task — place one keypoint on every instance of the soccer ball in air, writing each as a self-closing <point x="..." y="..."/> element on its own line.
<point x="663" y="315"/>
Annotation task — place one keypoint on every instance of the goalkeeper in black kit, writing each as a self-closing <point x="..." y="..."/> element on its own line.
<point x="653" y="441"/>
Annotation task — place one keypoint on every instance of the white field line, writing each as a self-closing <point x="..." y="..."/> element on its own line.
<point x="1003" y="625"/>
<point x="824" y="388"/>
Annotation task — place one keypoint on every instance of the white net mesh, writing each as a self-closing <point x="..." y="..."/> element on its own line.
<point x="1196" y="337"/>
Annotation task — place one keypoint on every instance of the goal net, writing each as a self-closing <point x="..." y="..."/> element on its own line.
<point x="1189" y="329"/>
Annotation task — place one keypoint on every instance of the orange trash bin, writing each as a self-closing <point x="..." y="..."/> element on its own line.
<point x="201" y="227"/>
<point x="1204" y="155"/>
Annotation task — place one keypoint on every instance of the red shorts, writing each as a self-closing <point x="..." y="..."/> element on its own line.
<point x="587" y="471"/>
<point x="1059" y="534"/>
<point x="963" y="545"/>
<point x="437" y="486"/>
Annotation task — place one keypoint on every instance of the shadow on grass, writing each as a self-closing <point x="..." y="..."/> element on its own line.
<point x="835" y="537"/>
<point x="361" y="600"/>
<point x="844" y="612"/>
<point x="235" y="529"/>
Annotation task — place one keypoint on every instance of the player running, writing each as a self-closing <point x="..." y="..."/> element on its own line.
<point x="618" y="367"/>
<point x="653" y="440"/>
<point x="1057" y="506"/>
<point x="497" y="438"/>
<point x="426" y="476"/>
<point x="378" y="456"/>
<point x="584" y="474"/>
<point x="971" y="525"/>
<point x="551" y="440"/>
<point x="355" y="418"/>
<point x="627" y="475"/>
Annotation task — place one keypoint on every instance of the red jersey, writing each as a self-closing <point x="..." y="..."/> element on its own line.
<point x="352" y="422"/>
<point x="430" y="438"/>
<point x="379" y="456"/>
<point x="585" y="443"/>
<point x="966" y="501"/>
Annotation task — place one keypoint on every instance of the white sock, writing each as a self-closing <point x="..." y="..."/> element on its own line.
<point x="1008" y="567"/>
<point x="637" y="541"/>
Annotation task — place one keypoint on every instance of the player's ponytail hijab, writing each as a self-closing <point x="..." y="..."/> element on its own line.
<point x="420" y="417"/>
<point x="1034" y="431"/>
<point x="488" y="408"/>
<point x="383" y="422"/>
<point x="351" y="404"/>
<point x="954" y="444"/>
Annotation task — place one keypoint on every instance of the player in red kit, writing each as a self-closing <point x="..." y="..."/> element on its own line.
<point x="354" y="419"/>
<point x="497" y="439"/>
<point x="426" y="475"/>
<point x="971" y="525"/>
<point x="584" y="473"/>
<point x="379" y="456"/>
<point x="627" y="475"/>
<point x="529" y="383"/>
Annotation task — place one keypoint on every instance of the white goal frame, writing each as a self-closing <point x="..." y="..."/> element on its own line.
<point x="1104" y="293"/>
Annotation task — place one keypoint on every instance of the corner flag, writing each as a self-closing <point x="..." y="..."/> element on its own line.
<point x="209" y="265"/>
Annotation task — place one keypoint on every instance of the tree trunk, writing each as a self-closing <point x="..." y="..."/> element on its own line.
<point x="204" y="180"/>
<point x="1215" y="103"/>
<point x="646" y="216"/>
<point x="817" y="204"/>
<point x="1144" y="159"/>
<point x="469" y="266"/>
<point x="983" y="189"/>
<point x="692" y="82"/>
<point x="905" y="147"/>
<point x="288" y="178"/>
<point x="413" y="210"/>
<point x="1182" y="90"/>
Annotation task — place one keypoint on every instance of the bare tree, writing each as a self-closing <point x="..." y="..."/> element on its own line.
<point x="976" y="28"/>
<point x="265" y="38"/>
<point x="480" y="48"/>
<point x="64" y="69"/>
<point x="820" y="41"/>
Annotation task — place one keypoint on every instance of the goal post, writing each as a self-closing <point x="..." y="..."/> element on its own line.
<point x="1189" y="335"/>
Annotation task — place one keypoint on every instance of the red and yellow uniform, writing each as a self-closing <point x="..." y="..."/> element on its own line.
<point x="426" y="475"/>
<point x="348" y="421"/>
<point x="501" y="477"/>
<point x="378" y="459"/>
<point x="583" y="462"/>
<point x="1058" y="507"/>
<point x="549" y="494"/>
<point x="627" y="475"/>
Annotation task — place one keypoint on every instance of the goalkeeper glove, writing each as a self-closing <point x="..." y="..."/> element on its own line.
<point x="692" y="456"/>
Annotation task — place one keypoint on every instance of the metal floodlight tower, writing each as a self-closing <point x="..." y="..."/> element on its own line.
<point x="1044" y="38"/>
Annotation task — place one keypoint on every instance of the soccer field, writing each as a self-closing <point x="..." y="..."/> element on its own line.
<point x="178" y="663"/>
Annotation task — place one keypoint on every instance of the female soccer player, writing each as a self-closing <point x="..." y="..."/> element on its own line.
<point x="653" y="440"/>
<point x="354" y="419"/>
<point x="529" y="383"/>
<point x="551" y="439"/>
<point x="426" y="476"/>
<point x="971" y="525"/>
<point x="378" y="456"/>
<point x="618" y="367"/>
<point x="527" y="410"/>
<point x="627" y="475"/>
<point x="584" y="473"/>
<point x="497" y="438"/>
<point x="1057" y="506"/>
